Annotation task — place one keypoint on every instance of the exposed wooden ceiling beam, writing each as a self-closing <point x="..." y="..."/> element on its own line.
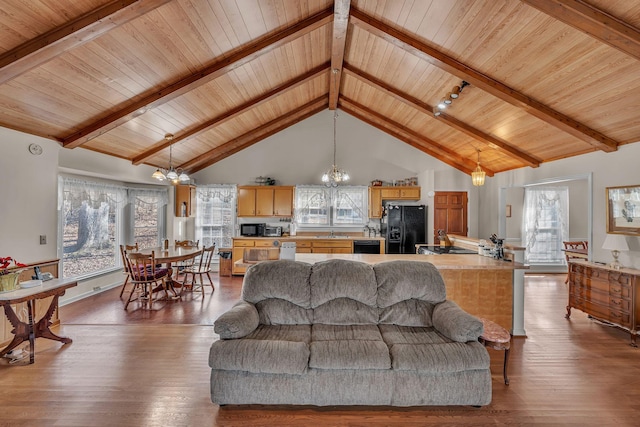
<point x="235" y="112"/>
<point x="427" y="109"/>
<point x="486" y="83"/>
<point x="409" y="136"/>
<point x="85" y="28"/>
<point x="338" y="43"/>
<point x="256" y="135"/>
<point x="594" y="22"/>
<point x="162" y="96"/>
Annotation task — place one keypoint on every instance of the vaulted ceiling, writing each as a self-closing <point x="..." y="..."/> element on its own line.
<point x="547" y="79"/>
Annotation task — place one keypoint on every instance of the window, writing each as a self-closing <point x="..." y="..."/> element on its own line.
<point x="148" y="216"/>
<point x="92" y="223"/>
<point x="545" y="224"/>
<point x="215" y="215"/>
<point x="320" y="206"/>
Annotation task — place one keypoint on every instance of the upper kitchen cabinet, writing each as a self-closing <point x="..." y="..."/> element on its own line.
<point x="265" y="201"/>
<point x="378" y="194"/>
<point x="185" y="198"/>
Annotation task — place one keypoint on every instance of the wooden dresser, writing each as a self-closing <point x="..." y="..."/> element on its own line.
<point x="606" y="294"/>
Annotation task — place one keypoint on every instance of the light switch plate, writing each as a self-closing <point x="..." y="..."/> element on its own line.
<point x="43" y="239"/>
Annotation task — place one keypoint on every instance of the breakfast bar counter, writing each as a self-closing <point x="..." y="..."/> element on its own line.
<point x="483" y="286"/>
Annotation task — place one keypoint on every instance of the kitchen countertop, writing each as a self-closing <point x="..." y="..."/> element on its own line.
<point x="311" y="237"/>
<point x="442" y="262"/>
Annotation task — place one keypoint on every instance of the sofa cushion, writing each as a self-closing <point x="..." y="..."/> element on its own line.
<point x="296" y="333"/>
<point x="405" y="280"/>
<point x="349" y="354"/>
<point x="260" y="356"/>
<point x="320" y="332"/>
<point x="393" y="334"/>
<point x="345" y="311"/>
<point x="439" y="358"/>
<point x="275" y="311"/>
<point x="284" y="279"/>
<point x="411" y="312"/>
<point x="237" y="322"/>
<point x="339" y="278"/>
<point x="455" y="323"/>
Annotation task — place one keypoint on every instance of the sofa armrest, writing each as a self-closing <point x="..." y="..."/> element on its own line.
<point x="455" y="323"/>
<point x="238" y="322"/>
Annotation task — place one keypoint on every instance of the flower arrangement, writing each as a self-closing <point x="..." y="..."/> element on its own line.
<point x="5" y="265"/>
<point x="8" y="274"/>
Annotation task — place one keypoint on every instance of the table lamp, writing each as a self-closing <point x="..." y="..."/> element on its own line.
<point x="615" y="243"/>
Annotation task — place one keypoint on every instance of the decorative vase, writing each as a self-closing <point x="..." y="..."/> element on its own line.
<point x="9" y="282"/>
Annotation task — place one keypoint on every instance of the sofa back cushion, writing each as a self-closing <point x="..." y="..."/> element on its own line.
<point x="408" y="291"/>
<point x="343" y="293"/>
<point x="280" y="291"/>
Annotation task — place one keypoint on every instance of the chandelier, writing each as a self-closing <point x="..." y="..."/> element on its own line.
<point x="334" y="175"/>
<point x="171" y="174"/>
<point x="478" y="175"/>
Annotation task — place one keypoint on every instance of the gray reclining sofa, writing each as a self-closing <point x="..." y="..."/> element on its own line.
<point x="347" y="333"/>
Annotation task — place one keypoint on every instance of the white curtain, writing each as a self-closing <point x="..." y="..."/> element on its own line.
<point x="545" y="224"/>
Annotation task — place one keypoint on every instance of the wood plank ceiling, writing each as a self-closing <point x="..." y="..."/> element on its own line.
<point x="547" y="79"/>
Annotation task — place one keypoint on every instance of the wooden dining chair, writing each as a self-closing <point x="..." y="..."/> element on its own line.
<point x="146" y="276"/>
<point x="198" y="270"/>
<point x="125" y="265"/>
<point x="181" y="265"/>
<point x="576" y="245"/>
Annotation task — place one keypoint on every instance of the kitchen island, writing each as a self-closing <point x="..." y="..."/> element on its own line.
<point x="481" y="285"/>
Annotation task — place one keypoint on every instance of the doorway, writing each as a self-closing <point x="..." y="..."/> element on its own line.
<point x="450" y="213"/>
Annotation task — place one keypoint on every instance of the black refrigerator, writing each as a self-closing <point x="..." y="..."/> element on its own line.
<point x="406" y="226"/>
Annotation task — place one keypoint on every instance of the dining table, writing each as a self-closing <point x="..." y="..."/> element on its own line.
<point x="170" y="255"/>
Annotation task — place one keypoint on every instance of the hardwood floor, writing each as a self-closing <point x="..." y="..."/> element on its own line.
<point x="149" y="368"/>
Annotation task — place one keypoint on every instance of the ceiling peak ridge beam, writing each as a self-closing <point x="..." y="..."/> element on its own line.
<point x="80" y="30"/>
<point x="256" y="135"/>
<point x="485" y="83"/>
<point x="594" y="22"/>
<point x="409" y="136"/>
<point x="234" y="112"/>
<point x="338" y="43"/>
<point x="159" y="97"/>
<point x="427" y="109"/>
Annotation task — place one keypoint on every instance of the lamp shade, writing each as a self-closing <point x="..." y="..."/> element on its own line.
<point x="615" y="242"/>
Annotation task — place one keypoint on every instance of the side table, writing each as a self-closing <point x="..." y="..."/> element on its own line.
<point x="497" y="338"/>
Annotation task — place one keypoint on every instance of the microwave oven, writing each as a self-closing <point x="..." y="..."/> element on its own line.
<point x="270" y="231"/>
<point x="252" y="230"/>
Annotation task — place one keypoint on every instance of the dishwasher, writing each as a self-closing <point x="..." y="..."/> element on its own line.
<point x="366" y="246"/>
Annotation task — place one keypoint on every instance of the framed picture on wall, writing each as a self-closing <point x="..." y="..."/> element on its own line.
<point x="623" y="210"/>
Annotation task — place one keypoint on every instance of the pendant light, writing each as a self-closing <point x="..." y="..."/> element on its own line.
<point x="335" y="175"/>
<point x="171" y="174"/>
<point x="478" y="175"/>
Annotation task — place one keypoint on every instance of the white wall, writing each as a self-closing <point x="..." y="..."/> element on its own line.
<point x="609" y="170"/>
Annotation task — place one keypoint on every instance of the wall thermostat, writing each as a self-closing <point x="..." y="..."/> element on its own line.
<point x="35" y="149"/>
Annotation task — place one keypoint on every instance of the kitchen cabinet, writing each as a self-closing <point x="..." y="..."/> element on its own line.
<point x="606" y="294"/>
<point x="239" y="245"/>
<point x="265" y="201"/>
<point x="185" y="195"/>
<point x="378" y="194"/>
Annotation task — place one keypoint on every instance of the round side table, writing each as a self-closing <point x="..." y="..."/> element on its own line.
<point x="497" y="338"/>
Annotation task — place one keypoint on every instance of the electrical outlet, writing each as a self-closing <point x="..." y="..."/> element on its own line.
<point x="43" y="239"/>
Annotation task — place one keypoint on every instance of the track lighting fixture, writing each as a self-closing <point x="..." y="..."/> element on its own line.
<point x="448" y="100"/>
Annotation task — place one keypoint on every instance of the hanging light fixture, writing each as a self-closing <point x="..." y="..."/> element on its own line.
<point x="478" y="175"/>
<point x="171" y="174"/>
<point x="335" y="175"/>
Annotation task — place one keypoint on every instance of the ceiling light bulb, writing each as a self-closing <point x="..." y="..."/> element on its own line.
<point x="455" y="92"/>
<point x="183" y="177"/>
<point x="447" y="101"/>
<point x="437" y="113"/>
<point x="172" y="174"/>
<point x="158" y="175"/>
<point x="442" y="105"/>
